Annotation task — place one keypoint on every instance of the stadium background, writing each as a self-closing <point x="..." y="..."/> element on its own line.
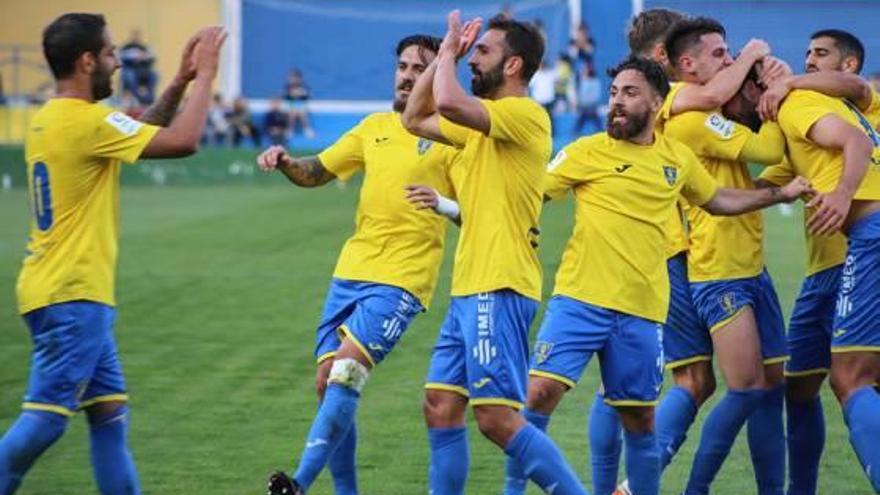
<point x="223" y="270"/>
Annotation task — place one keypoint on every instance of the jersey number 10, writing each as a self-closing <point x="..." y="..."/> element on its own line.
<point x="42" y="196"/>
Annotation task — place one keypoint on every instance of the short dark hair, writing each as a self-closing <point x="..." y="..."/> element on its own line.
<point x="649" y="28"/>
<point x="653" y="72"/>
<point x="686" y="33"/>
<point x="424" y="41"/>
<point x="523" y="40"/>
<point x="848" y="44"/>
<point x="68" y="37"/>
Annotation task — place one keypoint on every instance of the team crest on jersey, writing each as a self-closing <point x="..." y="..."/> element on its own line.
<point x="670" y="173"/>
<point x="728" y="303"/>
<point x="542" y="351"/>
<point x="424" y="145"/>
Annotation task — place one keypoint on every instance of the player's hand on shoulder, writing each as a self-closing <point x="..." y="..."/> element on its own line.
<point x="422" y="197"/>
<point x="773" y="70"/>
<point x="207" y="50"/>
<point x="273" y="157"/>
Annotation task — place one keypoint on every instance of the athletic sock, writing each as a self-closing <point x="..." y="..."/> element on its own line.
<point x="330" y="427"/>
<point x="450" y="460"/>
<point x="862" y="414"/>
<point x="343" y="464"/>
<point x="806" y="439"/>
<point x="642" y="462"/>
<point x="605" y="445"/>
<point x="515" y="479"/>
<point x="543" y="462"/>
<point x="31" y="434"/>
<point x="766" y="434"/>
<point x="675" y="415"/>
<point x="111" y="459"/>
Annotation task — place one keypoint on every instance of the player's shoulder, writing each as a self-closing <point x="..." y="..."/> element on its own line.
<point x="800" y="97"/>
<point x="673" y="148"/>
<point x="587" y="144"/>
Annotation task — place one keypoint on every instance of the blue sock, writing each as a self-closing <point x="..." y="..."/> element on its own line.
<point x="543" y="462"/>
<point x="806" y="439"/>
<point x="450" y="460"/>
<point x="330" y="427"/>
<point x="675" y="415"/>
<point x="343" y="464"/>
<point x="605" y="446"/>
<point x="31" y="434"/>
<point x="718" y="435"/>
<point x="515" y="479"/>
<point x="862" y="414"/>
<point x="766" y="433"/>
<point x="642" y="462"/>
<point x="111" y="460"/>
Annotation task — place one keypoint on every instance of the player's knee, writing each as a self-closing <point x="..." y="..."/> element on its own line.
<point x="637" y="419"/>
<point x="544" y="394"/>
<point x="349" y="373"/>
<point x="444" y="409"/>
<point x="104" y="409"/>
<point x="321" y="377"/>
<point x="774" y="375"/>
<point x="698" y="379"/>
<point x="498" y="423"/>
<point x="803" y="388"/>
<point x="850" y="372"/>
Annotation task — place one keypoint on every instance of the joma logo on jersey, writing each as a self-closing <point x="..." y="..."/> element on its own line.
<point x="670" y="173"/>
<point x="622" y="168"/>
<point x="424" y="145"/>
<point x="728" y="303"/>
<point x="542" y="351"/>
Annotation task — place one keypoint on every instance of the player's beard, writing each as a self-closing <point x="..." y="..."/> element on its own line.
<point x="634" y="125"/>
<point x="399" y="104"/>
<point x="483" y="84"/>
<point x="102" y="86"/>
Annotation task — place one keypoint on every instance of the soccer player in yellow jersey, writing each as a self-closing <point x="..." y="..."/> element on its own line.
<point x="386" y="273"/>
<point x="73" y="150"/>
<point x="482" y="350"/>
<point x="612" y="288"/>
<point x="731" y="289"/>
<point x="833" y="142"/>
<point x="833" y="60"/>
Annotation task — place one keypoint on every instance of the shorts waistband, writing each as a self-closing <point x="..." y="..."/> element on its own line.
<point x="866" y="228"/>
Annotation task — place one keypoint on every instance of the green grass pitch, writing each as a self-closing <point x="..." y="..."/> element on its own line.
<point x="220" y="287"/>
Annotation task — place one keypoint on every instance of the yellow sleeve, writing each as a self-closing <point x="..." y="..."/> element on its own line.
<point x="456" y="134"/>
<point x="873" y="110"/>
<point x="564" y="172"/>
<point x="779" y="174"/>
<point x="766" y="147"/>
<point x="519" y="120"/>
<point x="709" y="134"/>
<point x="699" y="187"/>
<point x="665" y="112"/>
<point x="121" y="137"/>
<point x="346" y="156"/>
<point x="800" y="110"/>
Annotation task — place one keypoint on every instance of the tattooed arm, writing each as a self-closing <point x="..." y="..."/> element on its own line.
<point x="305" y="171"/>
<point x="165" y="108"/>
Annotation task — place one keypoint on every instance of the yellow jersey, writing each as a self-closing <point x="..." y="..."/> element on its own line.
<point x="73" y="151"/>
<point x="500" y="198"/>
<point x="393" y="242"/>
<point x="676" y="230"/>
<point x="873" y="110"/>
<point x="721" y="247"/>
<point x="624" y="195"/>
<point x="823" y="167"/>
<point x="822" y="251"/>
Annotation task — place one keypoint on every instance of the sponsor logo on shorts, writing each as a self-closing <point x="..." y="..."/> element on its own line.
<point x="847" y="285"/>
<point x="484" y="351"/>
<point x="728" y="303"/>
<point x="542" y="351"/>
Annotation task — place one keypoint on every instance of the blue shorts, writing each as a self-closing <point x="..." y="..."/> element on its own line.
<point x="686" y="338"/>
<point x="720" y="301"/>
<point x="74" y="362"/>
<point x="812" y="319"/>
<point x="857" y="319"/>
<point x="630" y="350"/>
<point x="483" y="348"/>
<point x="374" y="316"/>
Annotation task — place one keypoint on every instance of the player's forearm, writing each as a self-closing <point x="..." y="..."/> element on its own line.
<point x="420" y="104"/>
<point x="857" y="152"/>
<point x="836" y="84"/>
<point x="451" y="98"/>
<point x="163" y="110"/>
<point x="729" y="201"/>
<point x="306" y="172"/>
<point x="766" y="147"/>
<point x="721" y="88"/>
<point x="189" y="125"/>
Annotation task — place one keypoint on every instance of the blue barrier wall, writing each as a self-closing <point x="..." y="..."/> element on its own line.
<point x="787" y="24"/>
<point x="345" y="47"/>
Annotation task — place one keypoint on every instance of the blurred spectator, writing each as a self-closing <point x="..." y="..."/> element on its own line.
<point x="542" y="88"/>
<point x="582" y="47"/>
<point x="138" y="75"/>
<point x="277" y="123"/>
<point x="2" y="94"/>
<point x="130" y="105"/>
<point x="564" y="87"/>
<point x="589" y="96"/>
<point x="217" y="128"/>
<point x="297" y="93"/>
<point x="241" y="124"/>
<point x="873" y="78"/>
